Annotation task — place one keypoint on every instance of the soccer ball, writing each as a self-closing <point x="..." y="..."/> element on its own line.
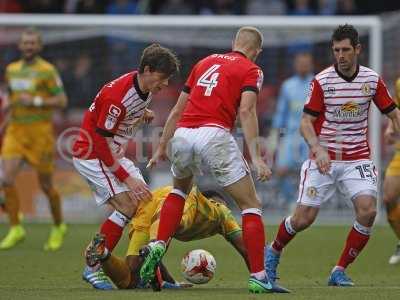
<point x="198" y="266"/>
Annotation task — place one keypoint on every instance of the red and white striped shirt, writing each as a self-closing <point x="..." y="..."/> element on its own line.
<point x="116" y="112"/>
<point x="341" y="105"/>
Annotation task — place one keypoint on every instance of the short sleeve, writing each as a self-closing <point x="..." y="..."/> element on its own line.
<point x="253" y="80"/>
<point x="110" y="115"/>
<point x="315" y="99"/>
<point x="54" y="83"/>
<point x="382" y="98"/>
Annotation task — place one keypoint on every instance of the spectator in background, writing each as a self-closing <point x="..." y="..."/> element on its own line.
<point x="327" y="7"/>
<point x="123" y="7"/>
<point x="85" y="6"/>
<point x="346" y="7"/>
<point x="10" y="6"/>
<point x="292" y="150"/>
<point x="300" y="8"/>
<point x="265" y="7"/>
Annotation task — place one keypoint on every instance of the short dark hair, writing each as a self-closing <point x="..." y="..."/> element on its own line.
<point x="159" y="59"/>
<point x="346" y="31"/>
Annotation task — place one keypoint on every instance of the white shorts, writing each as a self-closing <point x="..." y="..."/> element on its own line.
<point x="213" y="146"/>
<point x="103" y="183"/>
<point x="351" y="178"/>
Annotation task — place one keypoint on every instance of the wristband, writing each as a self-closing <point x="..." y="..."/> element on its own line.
<point x="37" y="101"/>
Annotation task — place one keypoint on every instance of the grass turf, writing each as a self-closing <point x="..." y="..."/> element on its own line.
<point x="27" y="272"/>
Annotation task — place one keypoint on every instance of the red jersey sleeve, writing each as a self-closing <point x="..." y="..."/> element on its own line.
<point x="382" y="98"/>
<point x="315" y="100"/>
<point x="110" y="115"/>
<point x="253" y="80"/>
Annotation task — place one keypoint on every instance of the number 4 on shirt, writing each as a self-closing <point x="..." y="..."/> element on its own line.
<point x="209" y="79"/>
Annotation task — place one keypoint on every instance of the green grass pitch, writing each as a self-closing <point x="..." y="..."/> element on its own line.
<point x="27" y="272"/>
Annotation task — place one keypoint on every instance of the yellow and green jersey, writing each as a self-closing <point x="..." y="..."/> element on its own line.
<point x="39" y="78"/>
<point x="397" y="101"/>
<point x="202" y="217"/>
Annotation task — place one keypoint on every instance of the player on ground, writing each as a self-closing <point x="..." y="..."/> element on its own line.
<point x="219" y="86"/>
<point x="34" y="91"/>
<point x="112" y="119"/>
<point x="335" y="126"/>
<point x="391" y="187"/>
<point x="204" y="215"/>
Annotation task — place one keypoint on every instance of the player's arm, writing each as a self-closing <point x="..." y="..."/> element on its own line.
<point x="110" y="116"/>
<point x="249" y="121"/>
<point x="387" y="106"/>
<point x="169" y="129"/>
<point x="311" y="111"/>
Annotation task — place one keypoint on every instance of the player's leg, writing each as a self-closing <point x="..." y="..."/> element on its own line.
<point x="107" y="189"/>
<point x="391" y="193"/>
<point x="59" y="228"/>
<point x="170" y="218"/>
<point x="12" y="204"/>
<point x="244" y="193"/>
<point x="183" y="164"/>
<point x="314" y="188"/>
<point x="360" y="182"/>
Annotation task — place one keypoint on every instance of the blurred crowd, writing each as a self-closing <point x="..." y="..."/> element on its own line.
<point x="202" y="7"/>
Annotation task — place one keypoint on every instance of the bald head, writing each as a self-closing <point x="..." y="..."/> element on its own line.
<point x="248" y="40"/>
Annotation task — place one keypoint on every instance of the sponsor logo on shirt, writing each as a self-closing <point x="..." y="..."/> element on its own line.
<point x="347" y="111"/>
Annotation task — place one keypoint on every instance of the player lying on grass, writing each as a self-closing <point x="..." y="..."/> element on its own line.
<point x="204" y="215"/>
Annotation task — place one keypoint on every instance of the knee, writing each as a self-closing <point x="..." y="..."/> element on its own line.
<point x="366" y="216"/>
<point x="46" y="187"/>
<point x="388" y="198"/>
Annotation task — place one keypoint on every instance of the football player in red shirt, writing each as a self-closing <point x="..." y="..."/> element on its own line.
<point x="108" y="125"/>
<point x="219" y="87"/>
<point x="335" y="126"/>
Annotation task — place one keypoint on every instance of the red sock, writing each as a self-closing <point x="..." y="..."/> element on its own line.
<point x="113" y="227"/>
<point x="356" y="241"/>
<point x="285" y="234"/>
<point x="254" y="239"/>
<point x="171" y="215"/>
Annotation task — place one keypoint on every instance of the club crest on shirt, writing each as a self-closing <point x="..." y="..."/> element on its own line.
<point x="110" y="122"/>
<point x="348" y="111"/>
<point x="331" y="90"/>
<point x="366" y="89"/>
<point x="311" y="192"/>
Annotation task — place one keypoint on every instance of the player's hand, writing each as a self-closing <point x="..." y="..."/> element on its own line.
<point x="176" y="285"/>
<point x="25" y="99"/>
<point x="160" y="155"/>
<point x="390" y="135"/>
<point x="148" y="116"/>
<point x="139" y="190"/>
<point x="322" y="159"/>
<point x="262" y="170"/>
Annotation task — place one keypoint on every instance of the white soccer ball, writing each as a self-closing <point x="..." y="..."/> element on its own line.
<point x="198" y="266"/>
